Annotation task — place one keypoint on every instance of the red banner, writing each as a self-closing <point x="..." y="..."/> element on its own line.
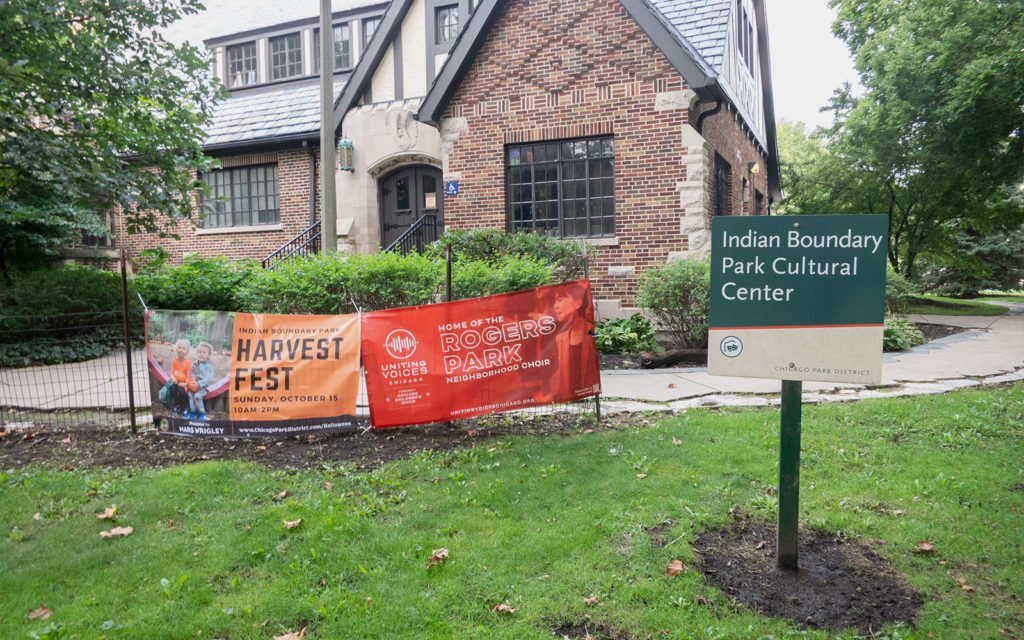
<point x="484" y="355"/>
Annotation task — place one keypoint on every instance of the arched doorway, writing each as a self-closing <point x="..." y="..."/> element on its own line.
<point x="405" y="195"/>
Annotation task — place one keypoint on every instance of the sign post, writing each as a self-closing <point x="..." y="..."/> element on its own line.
<point x="797" y="298"/>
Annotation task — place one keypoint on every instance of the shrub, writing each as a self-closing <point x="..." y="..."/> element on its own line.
<point x="899" y="292"/>
<point x="625" y="335"/>
<point x="564" y="257"/>
<point x="317" y="284"/>
<point x="475" y="278"/>
<point x="198" y="283"/>
<point x="390" y="280"/>
<point x="63" y="315"/>
<point x="677" y="295"/>
<point x="900" y="335"/>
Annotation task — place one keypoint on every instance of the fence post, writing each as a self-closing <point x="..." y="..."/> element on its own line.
<point x="448" y="273"/>
<point x="586" y="274"/>
<point x="127" y="341"/>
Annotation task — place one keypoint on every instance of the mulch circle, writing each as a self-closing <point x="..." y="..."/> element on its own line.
<point x="840" y="583"/>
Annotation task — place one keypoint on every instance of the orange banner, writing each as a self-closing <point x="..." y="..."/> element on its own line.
<point x="485" y="355"/>
<point x="291" y="367"/>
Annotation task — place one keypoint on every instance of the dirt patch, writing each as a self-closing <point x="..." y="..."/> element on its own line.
<point x="117" y="448"/>
<point x="588" y="630"/>
<point x="659" y="533"/>
<point x="936" y="331"/>
<point x="840" y="583"/>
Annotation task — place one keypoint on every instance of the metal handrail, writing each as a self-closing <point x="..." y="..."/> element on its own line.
<point x="417" y="236"/>
<point x="305" y="244"/>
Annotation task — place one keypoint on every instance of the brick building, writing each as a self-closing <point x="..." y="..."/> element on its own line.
<point x="629" y="123"/>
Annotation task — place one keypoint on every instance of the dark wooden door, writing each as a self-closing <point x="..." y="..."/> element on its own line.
<point x="405" y="195"/>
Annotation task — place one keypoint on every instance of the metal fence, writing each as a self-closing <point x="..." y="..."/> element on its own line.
<point x="95" y="393"/>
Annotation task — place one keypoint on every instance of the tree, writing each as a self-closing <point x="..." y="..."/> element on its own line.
<point x="939" y="128"/>
<point x="97" y="110"/>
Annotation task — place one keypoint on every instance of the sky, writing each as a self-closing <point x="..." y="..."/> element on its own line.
<point x="808" y="62"/>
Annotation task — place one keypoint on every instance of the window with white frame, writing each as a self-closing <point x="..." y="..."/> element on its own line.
<point x="242" y="65"/>
<point x="342" y="48"/>
<point x="285" y="56"/>
<point x="242" y="197"/>
<point x="369" y="28"/>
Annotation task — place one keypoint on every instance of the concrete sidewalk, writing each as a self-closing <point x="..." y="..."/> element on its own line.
<point x="990" y="351"/>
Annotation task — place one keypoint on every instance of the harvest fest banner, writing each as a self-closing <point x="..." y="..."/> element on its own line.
<point x="214" y="373"/>
<point x="474" y="357"/>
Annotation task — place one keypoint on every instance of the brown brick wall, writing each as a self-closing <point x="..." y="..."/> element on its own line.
<point x="551" y="71"/>
<point x="293" y="200"/>
<point x="726" y="135"/>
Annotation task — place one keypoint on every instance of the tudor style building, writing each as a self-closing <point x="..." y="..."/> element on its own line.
<point x="629" y="123"/>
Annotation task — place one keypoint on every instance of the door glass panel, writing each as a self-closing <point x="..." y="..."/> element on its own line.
<point x="402" y="193"/>
<point x="429" y="192"/>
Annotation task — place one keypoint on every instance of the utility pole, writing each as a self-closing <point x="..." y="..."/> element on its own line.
<point x="329" y="207"/>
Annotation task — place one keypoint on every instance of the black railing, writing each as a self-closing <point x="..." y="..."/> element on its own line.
<point x="306" y="243"/>
<point x="417" y="236"/>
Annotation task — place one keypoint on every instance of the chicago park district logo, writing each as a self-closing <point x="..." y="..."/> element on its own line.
<point x="400" y="344"/>
<point x="731" y="347"/>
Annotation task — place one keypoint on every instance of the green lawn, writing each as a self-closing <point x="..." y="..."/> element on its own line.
<point x="1004" y="296"/>
<point x="537" y="523"/>
<point x="942" y="306"/>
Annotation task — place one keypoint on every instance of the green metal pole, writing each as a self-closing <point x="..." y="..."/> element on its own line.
<point x="789" y="475"/>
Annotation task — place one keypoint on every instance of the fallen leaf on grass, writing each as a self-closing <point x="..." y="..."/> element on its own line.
<point x="924" y="547"/>
<point x="967" y="587"/>
<point x="439" y="556"/>
<point x="591" y="601"/>
<point x="501" y="607"/>
<point x="281" y="495"/>
<point x="641" y="475"/>
<point x="42" y="613"/>
<point x="107" y="514"/>
<point x="292" y="635"/>
<point x="369" y="601"/>
<point x="37" y="516"/>
<point x="116" y="531"/>
<point x="675" y="441"/>
<point x="291" y="524"/>
<point x="66" y="440"/>
<point x="675" y="568"/>
<point x="328" y="485"/>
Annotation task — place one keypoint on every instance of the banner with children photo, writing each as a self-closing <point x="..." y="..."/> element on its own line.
<point x="221" y="374"/>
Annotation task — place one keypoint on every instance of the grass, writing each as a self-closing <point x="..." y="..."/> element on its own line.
<point x="942" y="306"/>
<point x="1003" y="296"/>
<point x="539" y="524"/>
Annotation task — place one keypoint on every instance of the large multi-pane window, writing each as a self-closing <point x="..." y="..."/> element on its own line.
<point x="447" y="21"/>
<point x="242" y="64"/>
<point x="369" y="28"/>
<point x="242" y="196"/>
<point x="342" y="48"/>
<point x="562" y="188"/>
<point x="285" y="56"/>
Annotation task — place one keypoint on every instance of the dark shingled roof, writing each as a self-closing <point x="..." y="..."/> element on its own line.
<point x="285" y="111"/>
<point x="704" y="24"/>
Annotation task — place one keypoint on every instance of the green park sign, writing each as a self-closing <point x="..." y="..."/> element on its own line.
<point x="798" y="297"/>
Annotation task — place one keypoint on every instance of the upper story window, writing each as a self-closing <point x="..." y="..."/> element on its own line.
<point x="285" y="56"/>
<point x="242" y="196"/>
<point x="562" y="188"/>
<point x="242" y="65"/>
<point x="744" y="36"/>
<point x="447" y="22"/>
<point x="369" y="28"/>
<point x="342" y="48"/>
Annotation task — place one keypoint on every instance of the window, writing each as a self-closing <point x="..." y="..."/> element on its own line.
<point x="285" y="56"/>
<point x="723" y="186"/>
<point x="447" y="22"/>
<point x="342" y="48"/>
<point x="744" y="36"/>
<point x="242" y="64"/>
<point x="758" y="203"/>
<point x="562" y="188"/>
<point x="369" y="28"/>
<point x="242" y="196"/>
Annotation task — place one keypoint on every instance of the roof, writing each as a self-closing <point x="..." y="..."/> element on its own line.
<point x="703" y="23"/>
<point x="280" y="114"/>
<point x="229" y="17"/>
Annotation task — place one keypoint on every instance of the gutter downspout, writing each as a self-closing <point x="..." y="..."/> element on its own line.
<point x="704" y="115"/>
<point x="312" y="181"/>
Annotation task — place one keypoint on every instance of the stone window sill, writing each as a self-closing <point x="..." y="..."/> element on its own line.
<point x="252" y="229"/>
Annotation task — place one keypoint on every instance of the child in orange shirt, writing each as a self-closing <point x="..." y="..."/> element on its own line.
<point x="181" y="371"/>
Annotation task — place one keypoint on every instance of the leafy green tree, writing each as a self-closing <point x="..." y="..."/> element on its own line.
<point x="97" y="109"/>
<point x="936" y="133"/>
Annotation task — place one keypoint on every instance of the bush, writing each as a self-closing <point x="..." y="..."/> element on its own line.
<point x="677" y="295"/>
<point x="625" y="335"/>
<point x="63" y="315"/>
<point x="317" y="284"/>
<point x="475" y="278"/>
<point x="390" y="280"/>
<point x="899" y="292"/>
<point x="564" y="257"/>
<point x="900" y="335"/>
<point x="198" y="283"/>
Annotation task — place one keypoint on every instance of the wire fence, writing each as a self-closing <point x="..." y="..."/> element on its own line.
<point x="95" y="392"/>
